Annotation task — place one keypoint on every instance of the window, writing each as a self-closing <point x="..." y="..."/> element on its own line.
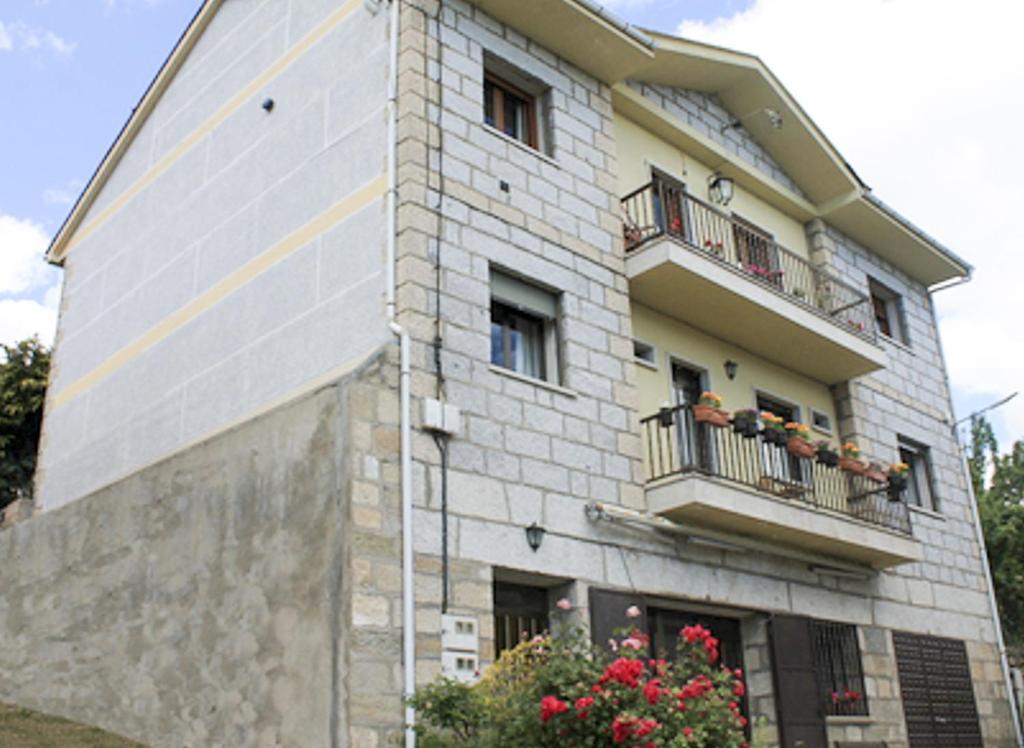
<point x="887" y="306"/>
<point x="514" y="102"/>
<point x="821" y="421"/>
<point x="756" y="251"/>
<point x="919" y="477"/>
<point x="523" y="328"/>
<point x="520" y="612"/>
<point x="837" y="662"/>
<point x="645" y="353"/>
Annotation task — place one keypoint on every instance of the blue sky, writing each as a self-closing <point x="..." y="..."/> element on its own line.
<point x="904" y="112"/>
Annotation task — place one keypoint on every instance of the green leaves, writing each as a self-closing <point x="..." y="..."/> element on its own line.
<point x="24" y="371"/>
<point x="1001" y="507"/>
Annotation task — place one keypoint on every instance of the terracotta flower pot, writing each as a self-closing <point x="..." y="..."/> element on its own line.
<point x="709" y="414"/>
<point x="878" y="476"/>
<point x="800" y="447"/>
<point x="852" y="465"/>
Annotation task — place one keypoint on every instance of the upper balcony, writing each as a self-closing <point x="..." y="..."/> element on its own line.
<point x="741" y="481"/>
<point x="689" y="260"/>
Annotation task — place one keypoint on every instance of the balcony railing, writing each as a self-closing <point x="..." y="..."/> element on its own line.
<point x="676" y="444"/>
<point x="664" y="208"/>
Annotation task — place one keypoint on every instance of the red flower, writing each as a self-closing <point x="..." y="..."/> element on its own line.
<point x="626" y="672"/>
<point x="622" y="728"/>
<point x="739" y="689"/>
<point x="551" y="706"/>
<point x="583" y="705"/>
<point x="652" y="691"/>
<point x="645" y="727"/>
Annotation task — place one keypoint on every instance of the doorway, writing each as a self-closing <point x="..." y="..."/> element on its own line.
<point x="778" y="462"/>
<point x="694" y="439"/>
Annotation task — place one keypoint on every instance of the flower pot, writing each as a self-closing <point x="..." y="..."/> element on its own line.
<point x="774" y="436"/>
<point x="878" y="476"/>
<point x="852" y="465"/>
<point x="799" y="447"/>
<point x="709" y="414"/>
<point x="897" y="485"/>
<point x="744" y="426"/>
<point x="828" y="458"/>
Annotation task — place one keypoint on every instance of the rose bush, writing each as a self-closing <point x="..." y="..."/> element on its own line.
<point x="562" y="692"/>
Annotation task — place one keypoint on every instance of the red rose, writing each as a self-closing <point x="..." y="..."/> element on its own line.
<point x="551" y="706"/>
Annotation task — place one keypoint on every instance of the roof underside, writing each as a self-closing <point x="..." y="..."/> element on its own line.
<point x="613" y="51"/>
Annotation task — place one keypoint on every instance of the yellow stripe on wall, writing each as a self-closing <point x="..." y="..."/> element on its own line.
<point x="197" y="135"/>
<point x="341" y="210"/>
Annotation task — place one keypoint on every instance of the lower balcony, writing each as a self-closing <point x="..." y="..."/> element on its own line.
<point x="714" y="477"/>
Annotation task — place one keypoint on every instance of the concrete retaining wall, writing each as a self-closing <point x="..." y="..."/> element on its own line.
<point x="201" y="602"/>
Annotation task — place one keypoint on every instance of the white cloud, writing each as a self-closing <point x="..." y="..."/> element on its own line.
<point x="19" y="36"/>
<point x="22" y="247"/>
<point x="922" y="98"/>
<point x="23" y="318"/>
<point x="29" y="288"/>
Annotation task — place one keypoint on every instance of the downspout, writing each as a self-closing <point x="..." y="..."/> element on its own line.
<point x="405" y="416"/>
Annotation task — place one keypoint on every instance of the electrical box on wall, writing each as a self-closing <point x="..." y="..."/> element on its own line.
<point x="441" y="417"/>
<point x="460" y="647"/>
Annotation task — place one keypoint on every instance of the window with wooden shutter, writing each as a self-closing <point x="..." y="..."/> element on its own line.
<point x="938" y="697"/>
<point x="520" y="613"/>
<point x="608" y="613"/>
<point x="797" y="690"/>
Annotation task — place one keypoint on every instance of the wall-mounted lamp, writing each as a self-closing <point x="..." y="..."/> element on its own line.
<point x="267" y="105"/>
<point x="720" y="189"/>
<point x="535" y="536"/>
<point x="774" y="118"/>
<point x="730" y="368"/>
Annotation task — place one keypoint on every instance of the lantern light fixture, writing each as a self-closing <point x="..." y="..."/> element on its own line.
<point x="730" y="368"/>
<point x="535" y="536"/>
<point x="720" y="189"/>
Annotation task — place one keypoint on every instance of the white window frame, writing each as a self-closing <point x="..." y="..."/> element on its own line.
<point x="893" y="311"/>
<point x="920" y="475"/>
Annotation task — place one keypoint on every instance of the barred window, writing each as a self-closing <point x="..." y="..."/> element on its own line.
<point x="837" y="662"/>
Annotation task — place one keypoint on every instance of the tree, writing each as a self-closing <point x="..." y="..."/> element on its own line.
<point x="1001" y="508"/>
<point x="24" y="369"/>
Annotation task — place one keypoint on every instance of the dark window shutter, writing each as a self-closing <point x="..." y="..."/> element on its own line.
<point x="938" y="697"/>
<point x="797" y="697"/>
<point x="608" y="613"/>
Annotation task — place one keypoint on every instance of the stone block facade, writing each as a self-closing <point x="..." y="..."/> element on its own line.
<point x="307" y="495"/>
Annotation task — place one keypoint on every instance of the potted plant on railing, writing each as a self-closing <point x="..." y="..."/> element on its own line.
<point x="709" y="410"/>
<point x="826" y="455"/>
<point x="850" y="460"/>
<point x="876" y="473"/>
<point x="744" y="422"/>
<point x="898" y="480"/>
<point x="799" y="441"/>
<point x="774" y="430"/>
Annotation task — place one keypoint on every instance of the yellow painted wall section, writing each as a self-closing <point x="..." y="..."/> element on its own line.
<point x="639" y="151"/>
<point x="675" y="340"/>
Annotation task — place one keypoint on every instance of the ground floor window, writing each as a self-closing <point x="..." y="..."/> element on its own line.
<point x="838" y="663"/>
<point x="520" y="612"/>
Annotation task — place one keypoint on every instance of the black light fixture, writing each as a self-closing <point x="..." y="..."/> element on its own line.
<point x="720" y="188"/>
<point x="730" y="368"/>
<point x="535" y="536"/>
<point x="268" y="105"/>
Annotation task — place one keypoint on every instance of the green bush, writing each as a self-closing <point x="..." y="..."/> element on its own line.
<point x="561" y="692"/>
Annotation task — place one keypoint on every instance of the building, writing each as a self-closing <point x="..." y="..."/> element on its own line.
<point x="351" y="304"/>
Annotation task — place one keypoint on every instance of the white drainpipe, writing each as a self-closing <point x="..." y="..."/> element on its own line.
<point x="408" y="597"/>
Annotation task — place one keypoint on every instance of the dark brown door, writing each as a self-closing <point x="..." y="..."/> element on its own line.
<point x="938" y="698"/>
<point x="779" y="463"/>
<point x="756" y="250"/>
<point x="670" y="205"/>
<point x="694" y="438"/>
<point x="797" y="691"/>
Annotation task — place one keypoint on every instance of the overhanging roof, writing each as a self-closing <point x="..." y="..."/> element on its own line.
<point x="584" y="33"/>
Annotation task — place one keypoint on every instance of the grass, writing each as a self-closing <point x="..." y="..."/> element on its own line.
<point x="23" y="728"/>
